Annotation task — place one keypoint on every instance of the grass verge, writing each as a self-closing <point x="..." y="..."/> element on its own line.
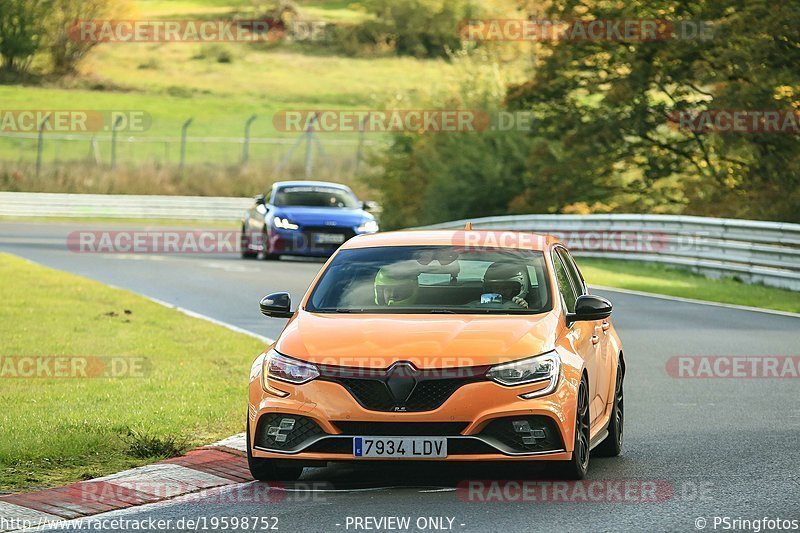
<point x="58" y="430"/>
<point x="660" y="279"/>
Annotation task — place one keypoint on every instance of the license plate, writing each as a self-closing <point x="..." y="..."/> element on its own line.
<point x="400" y="447"/>
<point x="328" y="238"/>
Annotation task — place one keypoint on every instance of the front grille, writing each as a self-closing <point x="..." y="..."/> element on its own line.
<point x="285" y="432"/>
<point x="524" y="433"/>
<point x="372" y="394"/>
<point x="426" y="396"/>
<point x="388" y="390"/>
<point x="337" y="230"/>
<point x="431" y="394"/>
<point x="401" y="429"/>
<point x="310" y="231"/>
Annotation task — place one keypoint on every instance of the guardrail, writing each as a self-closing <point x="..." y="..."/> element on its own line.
<point x="753" y="251"/>
<point x="29" y="204"/>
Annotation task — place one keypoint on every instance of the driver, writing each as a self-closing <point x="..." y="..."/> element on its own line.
<point x="396" y="286"/>
<point x="506" y="282"/>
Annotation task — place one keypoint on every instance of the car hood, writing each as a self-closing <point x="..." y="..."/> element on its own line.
<point x="427" y="341"/>
<point x="324" y="216"/>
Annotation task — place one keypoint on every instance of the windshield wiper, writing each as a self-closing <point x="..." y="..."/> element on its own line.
<point x="442" y="312"/>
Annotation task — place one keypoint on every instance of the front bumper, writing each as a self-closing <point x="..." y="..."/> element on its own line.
<point x="306" y="240"/>
<point x="477" y="419"/>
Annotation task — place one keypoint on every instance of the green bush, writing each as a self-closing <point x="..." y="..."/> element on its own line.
<point x="20" y="32"/>
<point x="215" y="52"/>
<point x="65" y="50"/>
<point x="28" y="27"/>
<point x="419" y="28"/>
<point x="435" y="177"/>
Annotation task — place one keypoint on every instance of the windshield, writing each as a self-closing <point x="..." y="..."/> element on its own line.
<point x="433" y="279"/>
<point x="309" y="196"/>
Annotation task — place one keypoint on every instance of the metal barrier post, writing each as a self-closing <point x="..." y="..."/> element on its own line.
<point x="114" y="142"/>
<point x="40" y="145"/>
<point x="309" y="139"/>
<point x="183" y="143"/>
<point x="246" y="147"/>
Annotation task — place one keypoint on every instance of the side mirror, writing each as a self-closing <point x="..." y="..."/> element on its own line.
<point x="261" y="199"/>
<point x="590" y="307"/>
<point x="277" y="305"/>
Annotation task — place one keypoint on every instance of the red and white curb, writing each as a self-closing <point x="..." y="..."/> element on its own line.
<point x="217" y="465"/>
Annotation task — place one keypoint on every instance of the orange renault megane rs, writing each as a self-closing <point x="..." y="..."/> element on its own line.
<point x="439" y="346"/>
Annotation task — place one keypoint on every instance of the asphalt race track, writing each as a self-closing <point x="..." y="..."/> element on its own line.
<point x="712" y="447"/>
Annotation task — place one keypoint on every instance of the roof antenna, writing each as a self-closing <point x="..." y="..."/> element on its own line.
<point x="468" y="226"/>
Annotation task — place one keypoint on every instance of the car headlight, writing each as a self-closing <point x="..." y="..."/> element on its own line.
<point x="370" y="226"/>
<point x="256" y="367"/>
<point x="278" y="366"/>
<point x="284" y="223"/>
<point x="545" y="367"/>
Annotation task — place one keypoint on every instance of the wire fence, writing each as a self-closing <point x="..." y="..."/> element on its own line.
<point x="109" y="151"/>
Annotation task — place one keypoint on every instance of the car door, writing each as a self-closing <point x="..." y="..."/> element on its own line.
<point x="581" y="335"/>
<point x="600" y="351"/>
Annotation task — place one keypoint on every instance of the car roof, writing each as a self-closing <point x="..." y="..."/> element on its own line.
<point x="522" y="240"/>
<point x="307" y="183"/>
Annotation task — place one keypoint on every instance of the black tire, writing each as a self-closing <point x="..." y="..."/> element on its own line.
<point x="247" y="253"/>
<point x="268" y="256"/>
<point x="266" y="469"/>
<point x="612" y="444"/>
<point x="578" y="466"/>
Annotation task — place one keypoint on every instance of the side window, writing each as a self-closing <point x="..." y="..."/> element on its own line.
<point x="564" y="285"/>
<point x="572" y="270"/>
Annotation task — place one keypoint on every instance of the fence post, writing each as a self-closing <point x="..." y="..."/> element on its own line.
<point x="94" y="150"/>
<point x="183" y="143"/>
<point x="114" y="127"/>
<point x="360" y="148"/>
<point x="246" y="147"/>
<point x="40" y="145"/>
<point x="309" y="139"/>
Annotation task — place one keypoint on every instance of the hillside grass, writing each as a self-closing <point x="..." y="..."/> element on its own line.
<point x="218" y="85"/>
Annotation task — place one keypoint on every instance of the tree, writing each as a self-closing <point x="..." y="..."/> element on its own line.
<point x="605" y="107"/>
<point x="20" y="32"/>
<point x="421" y="28"/>
<point x="65" y="47"/>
